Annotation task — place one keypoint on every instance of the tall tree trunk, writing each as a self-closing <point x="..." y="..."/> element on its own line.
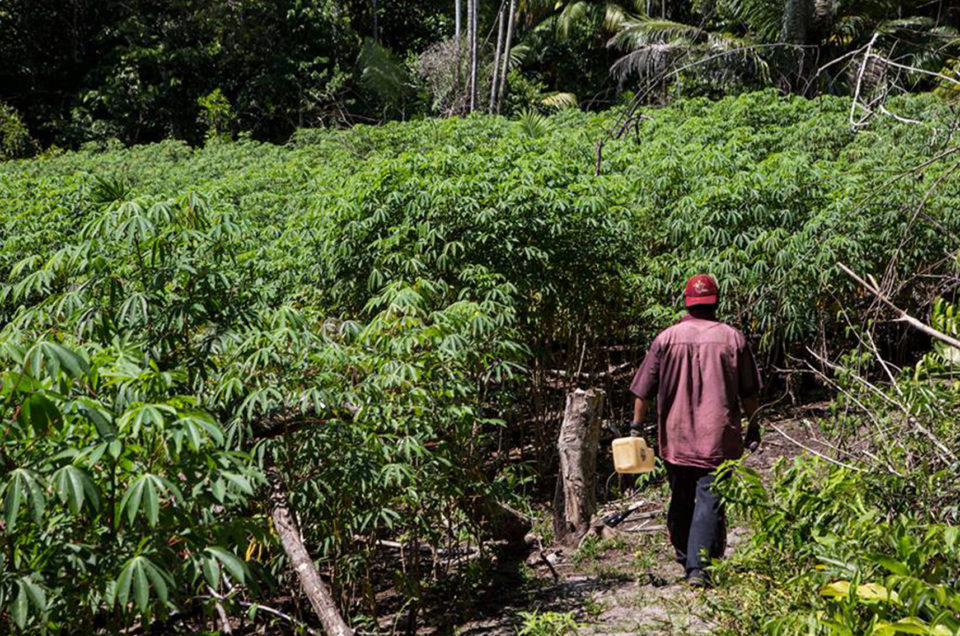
<point x="798" y="16"/>
<point x="506" y="54"/>
<point x="469" y="53"/>
<point x="458" y="40"/>
<point x="313" y="586"/>
<point x="798" y="28"/>
<point x="496" y="60"/>
<point x="473" y="18"/>
<point x="376" y="26"/>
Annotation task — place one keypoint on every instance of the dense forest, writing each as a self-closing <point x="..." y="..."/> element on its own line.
<point x="292" y="294"/>
<point x="140" y="71"/>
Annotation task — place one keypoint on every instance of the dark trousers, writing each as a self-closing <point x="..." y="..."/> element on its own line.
<point x="696" y="519"/>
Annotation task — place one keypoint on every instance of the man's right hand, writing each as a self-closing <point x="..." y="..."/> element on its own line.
<point x="751" y="405"/>
<point x="752" y="440"/>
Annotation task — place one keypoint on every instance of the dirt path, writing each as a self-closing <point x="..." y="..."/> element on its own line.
<point x="625" y="582"/>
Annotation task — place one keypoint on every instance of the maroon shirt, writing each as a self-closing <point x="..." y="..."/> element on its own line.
<point x="698" y="370"/>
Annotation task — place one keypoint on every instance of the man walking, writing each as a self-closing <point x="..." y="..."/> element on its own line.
<point x="701" y="371"/>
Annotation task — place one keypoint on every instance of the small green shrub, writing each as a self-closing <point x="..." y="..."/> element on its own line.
<point x="871" y="546"/>
<point x="15" y="140"/>
<point x="216" y="113"/>
<point x="548" y="624"/>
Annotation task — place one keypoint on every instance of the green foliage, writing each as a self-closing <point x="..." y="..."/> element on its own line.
<point x="217" y="114"/>
<point x="838" y="559"/>
<point x="526" y="93"/>
<point x="117" y="490"/>
<point x="136" y="70"/>
<point x="593" y="547"/>
<point x="547" y="624"/>
<point x="383" y="74"/>
<point x="867" y="547"/>
<point x="375" y="311"/>
<point x="15" y="140"/>
<point x="533" y="124"/>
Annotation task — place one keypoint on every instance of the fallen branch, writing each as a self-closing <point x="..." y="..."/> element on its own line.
<point x="313" y="586"/>
<point x="815" y="452"/>
<point x="543" y="557"/>
<point x="902" y="315"/>
<point x="644" y="527"/>
<point x="216" y="596"/>
<point x="221" y="613"/>
<point x="265" y="608"/>
<point x="279" y="614"/>
<point x="503" y="522"/>
<point x="276" y="424"/>
<point x="903" y="409"/>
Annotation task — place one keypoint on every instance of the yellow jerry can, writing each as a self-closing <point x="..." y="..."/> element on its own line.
<point x="632" y="455"/>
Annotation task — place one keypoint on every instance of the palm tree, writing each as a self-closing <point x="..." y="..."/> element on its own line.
<point x="472" y="24"/>
<point x="553" y="28"/>
<point x="797" y="45"/>
<point x="458" y="39"/>
<point x="656" y="47"/>
<point x="507" y="51"/>
<point x="560" y="19"/>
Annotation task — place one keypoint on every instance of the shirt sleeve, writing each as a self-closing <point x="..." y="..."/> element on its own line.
<point x="647" y="379"/>
<point x="747" y="372"/>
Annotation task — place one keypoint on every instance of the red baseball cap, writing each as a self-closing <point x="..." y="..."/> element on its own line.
<point x="701" y="290"/>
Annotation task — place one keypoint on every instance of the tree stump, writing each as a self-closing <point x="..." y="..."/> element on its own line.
<point x="576" y="495"/>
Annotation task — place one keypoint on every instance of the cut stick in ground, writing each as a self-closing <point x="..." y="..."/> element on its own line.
<point x="313" y="586"/>
<point x="576" y="498"/>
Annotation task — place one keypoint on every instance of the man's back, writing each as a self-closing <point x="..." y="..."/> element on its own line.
<point x="698" y="369"/>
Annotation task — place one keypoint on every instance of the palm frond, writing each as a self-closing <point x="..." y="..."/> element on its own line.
<point x="382" y="73"/>
<point x="763" y="18"/>
<point x="734" y="51"/>
<point x="615" y="16"/>
<point x="560" y="101"/>
<point x="650" y="60"/>
<point x="643" y="32"/>
<point x="533" y="124"/>
<point x="571" y="15"/>
<point x="848" y="29"/>
<point x="520" y="54"/>
<point x="606" y="15"/>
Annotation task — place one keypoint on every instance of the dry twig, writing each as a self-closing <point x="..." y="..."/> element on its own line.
<point x="813" y="451"/>
<point x="902" y="315"/>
